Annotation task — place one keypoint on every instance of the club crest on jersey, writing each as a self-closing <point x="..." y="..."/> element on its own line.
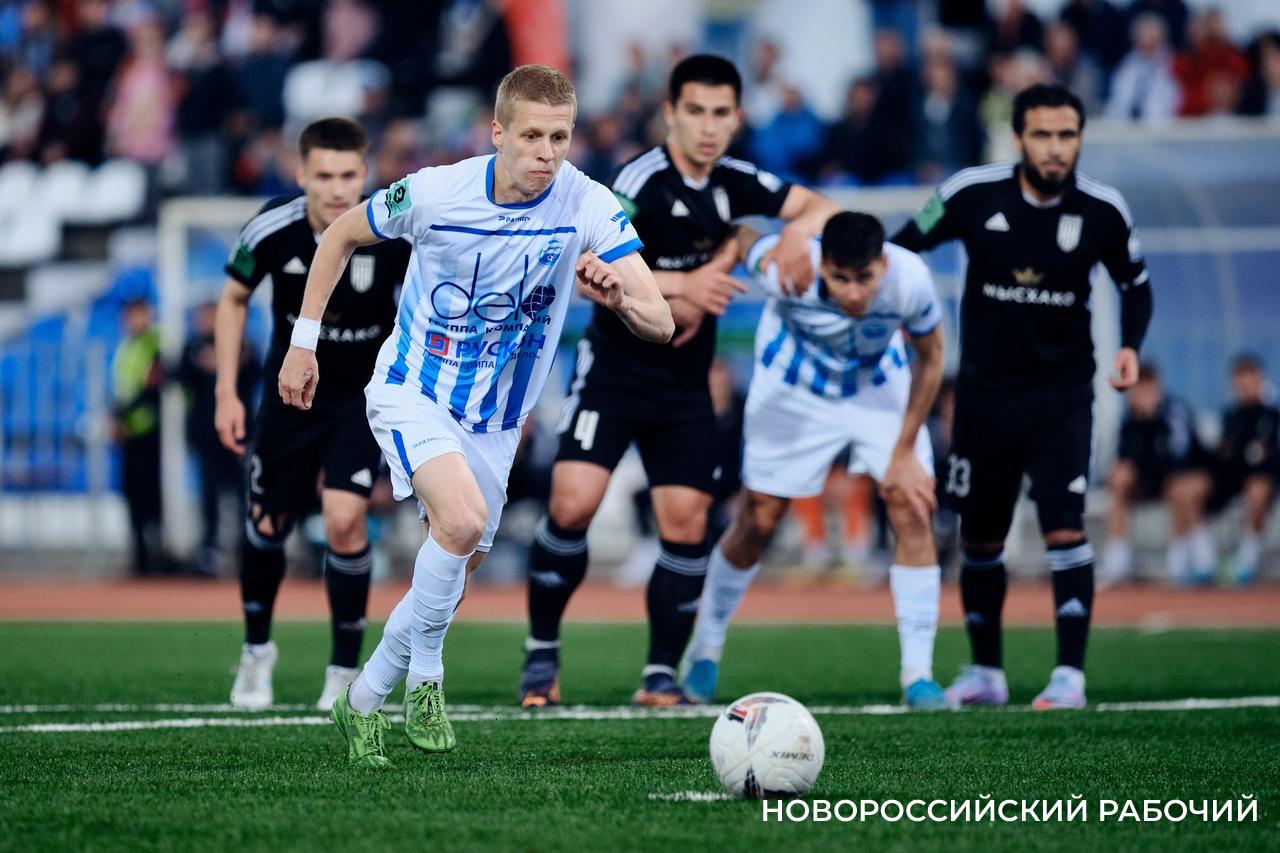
<point x="361" y="268"/>
<point x="538" y="300"/>
<point x="1069" y="228"/>
<point x="551" y="253"/>
<point x="874" y="330"/>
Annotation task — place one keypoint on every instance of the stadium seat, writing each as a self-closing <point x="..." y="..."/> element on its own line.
<point x="17" y="179"/>
<point x="31" y="238"/>
<point x="115" y="192"/>
<point x="61" y="187"/>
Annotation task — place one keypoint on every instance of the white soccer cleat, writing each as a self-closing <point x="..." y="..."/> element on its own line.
<point x="1065" y="690"/>
<point x="252" y="689"/>
<point x="978" y="685"/>
<point x="336" y="681"/>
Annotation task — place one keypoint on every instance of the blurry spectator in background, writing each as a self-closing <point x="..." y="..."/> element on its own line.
<point x="897" y="83"/>
<point x="1144" y="87"/>
<point x="70" y="128"/>
<point x="137" y="378"/>
<point x="1010" y="74"/>
<point x="1172" y="12"/>
<point x="259" y="75"/>
<point x="140" y="120"/>
<point x="1262" y="92"/>
<point x="1078" y="71"/>
<point x="207" y="101"/>
<point x="1160" y="458"/>
<point x="1100" y="28"/>
<point x="762" y="94"/>
<point x="1249" y="460"/>
<point x="399" y="153"/>
<point x="1211" y="72"/>
<point x="859" y="148"/>
<point x="38" y="39"/>
<point x="220" y="472"/>
<point x="1013" y="27"/>
<point x="98" y="49"/>
<point x="949" y="136"/>
<point x="342" y="81"/>
<point x="606" y="146"/>
<point x="790" y="145"/>
<point x="21" y="115"/>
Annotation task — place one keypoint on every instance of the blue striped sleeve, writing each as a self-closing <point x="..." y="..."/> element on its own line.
<point x="622" y="251"/>
<point x="368" y="212"/>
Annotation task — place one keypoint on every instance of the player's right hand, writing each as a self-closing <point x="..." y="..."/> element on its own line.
<point x="710" y="287"/>
<point x="228" y="420"/>
<point x="299" y="376"/>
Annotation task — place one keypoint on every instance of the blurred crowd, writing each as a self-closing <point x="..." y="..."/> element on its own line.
<point x="209" y="93"/>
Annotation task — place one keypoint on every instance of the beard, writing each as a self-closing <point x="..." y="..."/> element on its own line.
<point x="1048" y="186"/>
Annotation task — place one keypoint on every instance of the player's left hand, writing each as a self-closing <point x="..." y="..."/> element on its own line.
<point x="907" y="477"/>
<point x="299" y="376"/>
<point x="1125" y="370"/>
<point x="795" y="265"/>
<point x="600" y="281"/>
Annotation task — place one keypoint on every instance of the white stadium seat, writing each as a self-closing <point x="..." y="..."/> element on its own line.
<point x="115" y="192"/>
<point x="61" y="187"/>
<point x="17" y="180"/>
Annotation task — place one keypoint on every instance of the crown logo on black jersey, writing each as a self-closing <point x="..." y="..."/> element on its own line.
<point x="1027" y="276"/>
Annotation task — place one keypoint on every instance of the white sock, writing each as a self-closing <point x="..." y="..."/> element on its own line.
<point x="438" y="581"/>
<point x="725" y="586"/>
<point x="1203" y="553"/>
<point x="915" y="601"/>
<point x="1250" y="550"/>
<point x="388" y="664"/>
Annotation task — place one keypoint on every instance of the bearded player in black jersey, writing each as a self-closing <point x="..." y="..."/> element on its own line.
<point x="682" y="198"/>
<point x="1034" y="231"/>
<point x="292" y="450"/>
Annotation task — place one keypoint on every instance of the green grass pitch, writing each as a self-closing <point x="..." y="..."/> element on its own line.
<point x="590" y="784"/>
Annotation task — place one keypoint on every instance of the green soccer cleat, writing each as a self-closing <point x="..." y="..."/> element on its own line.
<point x="425" y="721"/>
<point x="363" y="733"/>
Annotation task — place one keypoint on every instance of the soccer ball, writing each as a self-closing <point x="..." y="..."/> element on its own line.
<point x="767" y="746"/>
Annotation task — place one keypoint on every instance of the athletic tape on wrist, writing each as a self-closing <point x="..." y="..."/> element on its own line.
<point x="306" y="333"/>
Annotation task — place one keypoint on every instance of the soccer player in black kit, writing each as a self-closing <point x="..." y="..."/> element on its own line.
<point x="682" y="197"/>
<point x="1033" y="231"/>
<point x="291" y="449"/>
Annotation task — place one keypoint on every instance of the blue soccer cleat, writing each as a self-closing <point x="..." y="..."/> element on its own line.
<point x="925" y="695"/>
<point x="700" y="681"/>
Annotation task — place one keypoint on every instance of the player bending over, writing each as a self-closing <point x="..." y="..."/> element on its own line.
<point x="290" y="449"/>
<point x="499" y="242"/>
<point x="831" y="373"/>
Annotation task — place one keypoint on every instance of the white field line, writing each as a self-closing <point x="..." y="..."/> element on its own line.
<point x="480" y="713"/>
<point x="694" y="796"/>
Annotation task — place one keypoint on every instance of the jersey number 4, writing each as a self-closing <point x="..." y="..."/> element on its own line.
<point x="584" y="428"/>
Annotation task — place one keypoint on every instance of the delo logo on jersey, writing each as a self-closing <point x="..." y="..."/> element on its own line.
<point x="551" y="253"/>
<point x="538" y="300"/>
<point x="452" y="301"/>
<point x="361" y="272"/>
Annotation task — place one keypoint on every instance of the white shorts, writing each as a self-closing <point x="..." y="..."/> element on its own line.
<point x="412" y="430"/>
<point x="793" y="436"/>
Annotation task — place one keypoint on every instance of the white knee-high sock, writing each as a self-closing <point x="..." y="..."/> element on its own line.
<point x="725" y="586"/>
<point x="915" y="602"/>
<point x="388" y="664"/>
<point x="438" y="580"/>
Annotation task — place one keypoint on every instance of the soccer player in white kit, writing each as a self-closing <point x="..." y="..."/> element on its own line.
<point x="499" y="242"/>
<point x="831" y="373"/>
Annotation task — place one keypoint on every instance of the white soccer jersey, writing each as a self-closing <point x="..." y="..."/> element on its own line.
<point x="489" y="284"/>
<point x="809" y="341"/>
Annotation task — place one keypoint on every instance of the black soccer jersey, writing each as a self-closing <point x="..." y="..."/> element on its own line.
<point x="279" y="242"/>
<point x="1251" y="438"/>
<point x="1025" y="320"/>
<point x="682" y="224"/>
<point x="1165" y="442"/>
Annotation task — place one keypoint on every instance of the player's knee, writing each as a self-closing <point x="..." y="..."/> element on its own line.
<point x="267" y="531"/>
<point x="345" y="530"/>
<point x="690" y="528"/>
<point x="761" y="519"/>
<point x="1064" y="536"/>
<point x="460" y="526"/>
<point x="1122" y="480"/>
<point x="904" y="518"/>
<point x="572" y="510"/>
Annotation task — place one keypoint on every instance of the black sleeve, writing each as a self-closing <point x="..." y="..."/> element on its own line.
<point x="250" y="259"/>
<point x="753" y="192"/>
<point x="1122" y="256"/>
<point x="934" y="224"/>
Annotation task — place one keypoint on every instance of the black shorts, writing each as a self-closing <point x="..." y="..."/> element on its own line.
<point x="1230" y="476"/>
<point x="291" y="448"/>
<point x="675" y="434"/>
<point x="997" y="438"/>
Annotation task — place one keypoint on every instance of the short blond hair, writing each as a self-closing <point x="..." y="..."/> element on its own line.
<point x="540" y="83"/>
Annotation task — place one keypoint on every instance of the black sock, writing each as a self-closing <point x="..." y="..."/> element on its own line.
<point x="261" y="570"/>
<point x="1071" y="567"/>
<point x="557" y="565"/>
<point x="672" y="600"/>
<point x="346" y="579"/>
<point x="983" y="583"/>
